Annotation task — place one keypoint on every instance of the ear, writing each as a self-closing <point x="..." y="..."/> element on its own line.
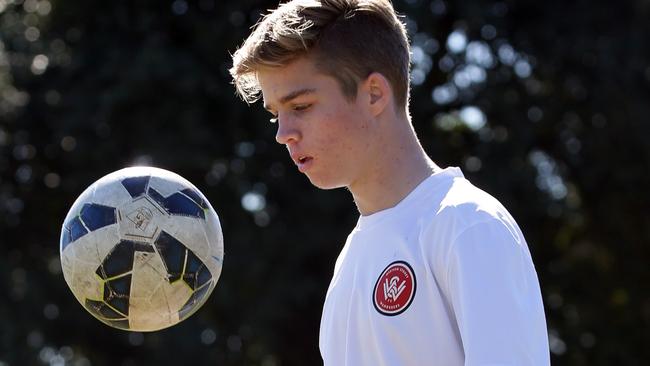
<point x="378" y="93"/>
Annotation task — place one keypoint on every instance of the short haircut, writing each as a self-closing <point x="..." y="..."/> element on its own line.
<point x="346" y="39"/>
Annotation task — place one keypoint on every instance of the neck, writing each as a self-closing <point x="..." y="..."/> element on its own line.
<point x="396" y="166"/>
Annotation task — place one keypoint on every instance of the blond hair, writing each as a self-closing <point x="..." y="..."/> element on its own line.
<point x="347" y="39"/>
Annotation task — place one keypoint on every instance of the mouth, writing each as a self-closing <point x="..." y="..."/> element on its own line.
<point x="304" y="162"/>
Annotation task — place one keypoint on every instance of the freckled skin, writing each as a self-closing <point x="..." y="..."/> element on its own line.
<point x="367" y="145"/>
<point x="332" y="130"/>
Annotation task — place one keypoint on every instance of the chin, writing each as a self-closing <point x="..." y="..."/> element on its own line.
<point x="325" y="183"/>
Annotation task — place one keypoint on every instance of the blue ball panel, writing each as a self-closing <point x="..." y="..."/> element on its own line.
<point x="97" y="216"/>
<point x="178" y="204"/>
<point x="116" y="293"/>
<point x="193" y="268"/>
<point x="120" y="324"/>
<point x="203" y="276"/>
<point x="173" y="254"/>
<point x="66" y="238"/>
<point x="118" y="261"/>
<point x="118" y="287"/>
<point x="156" y="196"/>
<point x="195" y="196"/>
<point x="136" y="185"/>
<point x="194" y="300"/>
<point x="120" y="303"/>
<point x="77" y="229"/>
<point x="193" y="263"/>
<point x="101" y="310"/>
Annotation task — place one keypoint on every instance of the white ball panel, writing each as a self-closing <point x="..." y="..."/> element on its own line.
<point x="83" y="285"/>
<point x="110" y="194"/>
<point x="93" y="247"/>
<point x="167" y="187"/>
<point x="190" y="232"/>
<point x="214" y="260"/>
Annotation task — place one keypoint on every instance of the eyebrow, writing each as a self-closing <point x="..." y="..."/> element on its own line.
<point x="293" y="95"/>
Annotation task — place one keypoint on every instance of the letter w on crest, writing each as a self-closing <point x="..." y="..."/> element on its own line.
<point x="392" y="290"/>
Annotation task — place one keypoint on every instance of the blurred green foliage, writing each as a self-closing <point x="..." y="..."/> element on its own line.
<point x="543" y="104"/>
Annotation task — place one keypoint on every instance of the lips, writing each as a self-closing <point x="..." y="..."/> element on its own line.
<point x="298" y="157"/>
<point x="302" y="161"/>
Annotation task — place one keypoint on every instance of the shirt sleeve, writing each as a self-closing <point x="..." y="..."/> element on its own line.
<point x="495" y="297"/>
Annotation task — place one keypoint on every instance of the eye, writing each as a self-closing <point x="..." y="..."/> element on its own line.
<point x="301" y="107"/>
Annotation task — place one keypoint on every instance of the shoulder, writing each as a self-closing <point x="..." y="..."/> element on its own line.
<point x="463" y="206"/>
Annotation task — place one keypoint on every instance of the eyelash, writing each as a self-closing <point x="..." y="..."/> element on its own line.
<point x="296" y="108"/>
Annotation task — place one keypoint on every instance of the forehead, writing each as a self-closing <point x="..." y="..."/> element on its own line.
<point x="301" y="75"/>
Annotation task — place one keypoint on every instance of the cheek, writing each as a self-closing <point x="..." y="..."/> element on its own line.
<point x="343" y="136"/>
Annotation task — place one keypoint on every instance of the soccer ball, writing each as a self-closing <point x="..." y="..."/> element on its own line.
<point x="141" y="249"/>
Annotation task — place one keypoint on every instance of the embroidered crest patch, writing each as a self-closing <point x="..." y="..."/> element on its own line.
<point x="395" y="289"/>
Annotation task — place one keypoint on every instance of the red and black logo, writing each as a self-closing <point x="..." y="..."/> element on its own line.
<point x="395" y="289"/>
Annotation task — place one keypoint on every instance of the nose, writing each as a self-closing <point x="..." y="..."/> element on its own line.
<point x="287" y="133"/>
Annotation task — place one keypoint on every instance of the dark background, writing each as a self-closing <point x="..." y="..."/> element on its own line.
<point x="544" y="104"/>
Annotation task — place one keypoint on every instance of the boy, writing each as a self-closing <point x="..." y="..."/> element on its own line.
<point x="436" y="271"/>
